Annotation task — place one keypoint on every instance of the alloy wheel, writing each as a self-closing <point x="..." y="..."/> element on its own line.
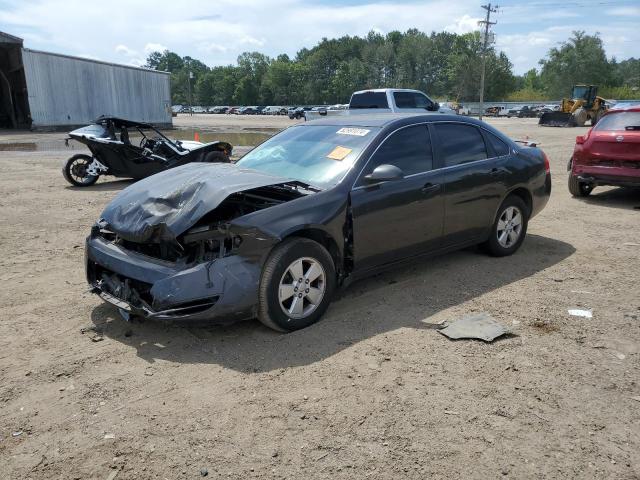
<point x="79" y="170"/>
<point x="509" y="227"/>
<point x="302" y="287"/>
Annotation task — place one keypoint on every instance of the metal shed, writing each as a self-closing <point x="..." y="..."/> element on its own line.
<point x="50" y="90"/>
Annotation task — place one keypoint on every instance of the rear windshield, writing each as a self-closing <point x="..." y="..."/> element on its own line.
<point x="619" y="121"/>
<point x="369" y="100"/>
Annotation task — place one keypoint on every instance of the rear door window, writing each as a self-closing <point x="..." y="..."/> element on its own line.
<point x="411" y="100"/>
<point x="369" y="100"/>
<point x="499" y="147"/>
<point x="460" y="143"/>
<point x="409" y="149"/>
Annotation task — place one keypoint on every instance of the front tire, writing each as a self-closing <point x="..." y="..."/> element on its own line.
<point x="509" y="228"/>
<point x="578" y="188"/>
<point x="296" y="286"/>
<point x="75" y="171"/>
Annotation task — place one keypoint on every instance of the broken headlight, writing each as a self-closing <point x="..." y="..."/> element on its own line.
<point x="206" y="243"/>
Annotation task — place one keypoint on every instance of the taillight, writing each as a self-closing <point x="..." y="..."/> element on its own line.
<point x="547" y="167"/>
<point x="580" y="139"/>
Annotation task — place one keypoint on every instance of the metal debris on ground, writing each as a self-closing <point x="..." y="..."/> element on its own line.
<point x="578" y="312"/>
<point x="480" y="326"/>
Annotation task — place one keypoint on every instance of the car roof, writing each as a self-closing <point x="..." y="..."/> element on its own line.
<point x="381" y="120"/>
<point x="634" y="107"/>
<point x="378" y="90"/>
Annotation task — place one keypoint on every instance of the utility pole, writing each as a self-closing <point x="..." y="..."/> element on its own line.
<point x="190" y="102"/>
<point x="487" y="24"/>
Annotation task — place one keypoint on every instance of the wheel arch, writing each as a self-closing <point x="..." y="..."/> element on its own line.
<point x="525" y="196"/>
<point x="325" y="239"/>
<point x="521" y="192"/>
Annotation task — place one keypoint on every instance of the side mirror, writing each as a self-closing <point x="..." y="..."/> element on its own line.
<point x="434" y="107"/>
<point x="384" y="173"/>
<point x="580" y="139"/>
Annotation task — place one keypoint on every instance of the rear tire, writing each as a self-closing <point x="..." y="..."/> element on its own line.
<point x="509" y="228"/>
<point x="75" y="171"/>
<point x="578" y="188"/>
<point x="277" y="284"/>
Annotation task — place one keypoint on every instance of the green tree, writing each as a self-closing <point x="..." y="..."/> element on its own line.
<point x="581" y="59"/>
<point x="444" y="65"/>
<point x="628" y="73"/>
<point x="166" y="61"/>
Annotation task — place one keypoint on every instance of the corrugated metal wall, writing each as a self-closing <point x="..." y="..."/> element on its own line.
<point x="73" y="91"/>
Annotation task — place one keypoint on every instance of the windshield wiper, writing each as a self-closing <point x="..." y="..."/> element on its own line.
<point x="305" y="186"/>
<point x="632" y="127"/>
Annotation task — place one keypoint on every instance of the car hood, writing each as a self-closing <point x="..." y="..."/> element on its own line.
<point x="165" y="205"/>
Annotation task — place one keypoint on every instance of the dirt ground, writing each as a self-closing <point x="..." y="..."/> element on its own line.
<point x="372" y="391"/>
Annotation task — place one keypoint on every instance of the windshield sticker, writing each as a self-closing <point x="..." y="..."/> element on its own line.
<point x="339" y="153"/>
<point x="358" y="132"/>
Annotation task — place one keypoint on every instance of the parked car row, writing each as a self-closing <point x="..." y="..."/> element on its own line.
<point x="237" y="110"/>
<point x="292" y="111"/>
<point x="297" y="111"/>
<point x="520" y="111"/>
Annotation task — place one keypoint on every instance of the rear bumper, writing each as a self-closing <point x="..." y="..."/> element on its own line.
<point x="541" y="195"/>
<point x="600" y="175"/>
<point x="223" y="291"/>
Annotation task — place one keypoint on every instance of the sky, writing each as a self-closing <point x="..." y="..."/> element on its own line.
<point x="216" y="32"/>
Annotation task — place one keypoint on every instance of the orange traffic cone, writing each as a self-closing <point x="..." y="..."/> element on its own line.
<point x="196" y="137"/>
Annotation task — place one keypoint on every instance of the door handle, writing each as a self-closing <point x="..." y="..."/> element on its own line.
<point x="495" y="172"/>
<point x="430" y="187"/>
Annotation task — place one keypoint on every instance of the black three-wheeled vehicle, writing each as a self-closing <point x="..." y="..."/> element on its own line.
<point x="123" y="148"/>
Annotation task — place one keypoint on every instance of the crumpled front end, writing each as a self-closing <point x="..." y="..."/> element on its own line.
<point x="217" y="279"/>
<point x="170" y="256"/>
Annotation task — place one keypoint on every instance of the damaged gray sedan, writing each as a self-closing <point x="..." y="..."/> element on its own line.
<point x="311" y="209"/>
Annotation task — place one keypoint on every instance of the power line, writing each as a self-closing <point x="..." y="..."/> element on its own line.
<point x="487" y="24"/>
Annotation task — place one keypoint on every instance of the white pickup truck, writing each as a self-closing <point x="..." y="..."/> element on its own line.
<point x="384" y="100"/>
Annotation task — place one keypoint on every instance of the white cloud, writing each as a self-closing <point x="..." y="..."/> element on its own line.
<point x="154" y="47"/>
<point x="124" y="50"/>
<point x="249" y="40"/>
<point x="210" y="47"/>
<point x="464" y="24"/>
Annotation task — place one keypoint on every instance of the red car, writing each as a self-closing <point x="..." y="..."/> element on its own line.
<point x="608" y="154"/>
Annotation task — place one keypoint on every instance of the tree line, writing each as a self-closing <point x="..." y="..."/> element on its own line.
<point x="444" y="65"/>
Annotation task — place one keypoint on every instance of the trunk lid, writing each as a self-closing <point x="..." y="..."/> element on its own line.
<point x="622" y="145"/>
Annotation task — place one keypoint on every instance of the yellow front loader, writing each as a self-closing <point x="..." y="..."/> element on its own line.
<point x="584" y="105"/>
